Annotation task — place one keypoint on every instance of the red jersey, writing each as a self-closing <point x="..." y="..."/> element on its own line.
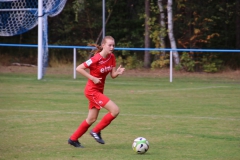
<point x="99" y="67"/>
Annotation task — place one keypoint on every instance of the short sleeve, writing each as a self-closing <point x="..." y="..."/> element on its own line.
<point x="90" y="62"/>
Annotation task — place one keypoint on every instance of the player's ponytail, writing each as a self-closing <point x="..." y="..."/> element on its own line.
<point x="97" y="49"/>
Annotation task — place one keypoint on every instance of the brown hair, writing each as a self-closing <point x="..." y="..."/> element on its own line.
<point x="99" y="48"/>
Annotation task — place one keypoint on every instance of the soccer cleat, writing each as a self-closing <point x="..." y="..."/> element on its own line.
<point x="97" y="137"/>
<point x="75" y="143"/>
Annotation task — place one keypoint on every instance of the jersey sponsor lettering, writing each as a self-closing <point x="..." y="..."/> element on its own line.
<point x="106" y="69"/>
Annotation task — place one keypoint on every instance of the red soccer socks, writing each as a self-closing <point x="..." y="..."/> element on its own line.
<point x="106" y="120"/>
<point x="80" y="131"/>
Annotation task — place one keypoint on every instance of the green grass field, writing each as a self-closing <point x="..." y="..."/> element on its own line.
<point x="192" y="118"/>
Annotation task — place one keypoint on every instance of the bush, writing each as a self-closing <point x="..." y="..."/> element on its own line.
<point x="211" y="63"/>
<point x="163" y="61"/>
<point x="187" y="62"/>
<point x="130" y="62"/>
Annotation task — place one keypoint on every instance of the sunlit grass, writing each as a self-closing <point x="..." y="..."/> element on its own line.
<point x="190" y="118"/>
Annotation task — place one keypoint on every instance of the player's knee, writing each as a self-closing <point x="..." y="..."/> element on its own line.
<point x="91" y="120"/>
<point x="115" y="112"/>
<point x="112" y="108"/>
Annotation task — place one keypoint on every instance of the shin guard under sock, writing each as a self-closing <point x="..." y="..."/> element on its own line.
<point x="80" y="131"/>
<point x="106" y="120"/>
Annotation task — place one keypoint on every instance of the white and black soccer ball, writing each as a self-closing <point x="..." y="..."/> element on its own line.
<point x="140" y="145"/>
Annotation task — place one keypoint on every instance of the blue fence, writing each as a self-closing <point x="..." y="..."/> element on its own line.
<point x="119" y="48"/>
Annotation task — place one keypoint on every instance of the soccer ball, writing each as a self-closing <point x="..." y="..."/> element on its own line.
<point x="140" y="145"/>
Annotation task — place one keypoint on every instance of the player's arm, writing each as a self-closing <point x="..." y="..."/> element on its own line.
<point x="115" y="72"/>
<point x="82" y="70"/>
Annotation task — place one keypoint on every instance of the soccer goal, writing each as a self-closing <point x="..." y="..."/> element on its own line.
<point x="20" y="16"/>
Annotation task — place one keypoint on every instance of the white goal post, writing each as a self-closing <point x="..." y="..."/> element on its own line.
<point x="20" y="16"/>
<point x="40" y="38"/>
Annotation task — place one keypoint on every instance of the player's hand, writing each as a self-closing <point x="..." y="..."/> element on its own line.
<point x="96" y="80"/>
<point x="120" y="70"/>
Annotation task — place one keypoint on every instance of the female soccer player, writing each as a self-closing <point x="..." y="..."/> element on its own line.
<point x="102" y="63"/>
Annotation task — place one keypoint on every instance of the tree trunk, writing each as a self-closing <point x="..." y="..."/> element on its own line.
<point x="162" y="23"/>
<point x="147" y="39"/>
<point x="170" y="32"/>
<point x="237" y="25"/>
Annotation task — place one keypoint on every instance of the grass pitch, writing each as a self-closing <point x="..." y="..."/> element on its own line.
<point x="190" y="118"/>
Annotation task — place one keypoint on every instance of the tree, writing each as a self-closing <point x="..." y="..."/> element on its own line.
<point x="170" y="32"/>
<point x="197" y="24"/>
<point x="147" y="39"/>
<point x="238" y="24"/>
<point x="162" y="24"/>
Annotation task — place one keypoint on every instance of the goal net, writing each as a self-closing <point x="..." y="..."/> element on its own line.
<point x="20" y="16"/>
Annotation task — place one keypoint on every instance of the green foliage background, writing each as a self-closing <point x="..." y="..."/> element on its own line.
<point x="197" y="24"/>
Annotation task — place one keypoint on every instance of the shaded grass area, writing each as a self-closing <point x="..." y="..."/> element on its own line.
<point x="191" y="118"/>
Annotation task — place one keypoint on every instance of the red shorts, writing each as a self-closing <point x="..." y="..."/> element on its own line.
<point x="97" y="100"/>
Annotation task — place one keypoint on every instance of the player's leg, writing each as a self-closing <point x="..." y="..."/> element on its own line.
<point x="112" y="108"/>
<point x="92" y="115"/>
<point x="83" y="127"/>
<point x="106" y="120"/>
